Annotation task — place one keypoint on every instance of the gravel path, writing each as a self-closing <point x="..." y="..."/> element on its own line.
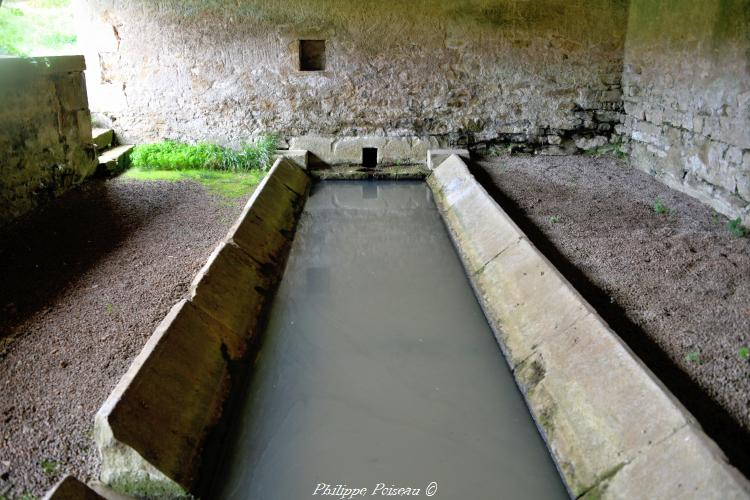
<point x="675" y="286"/>
<point x="84" y="283"/>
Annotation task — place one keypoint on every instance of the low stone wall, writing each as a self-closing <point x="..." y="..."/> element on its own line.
<point x="153" y="429"/>
<point x="686" y="92"/>
<point x="45" y="131"/>
<point x="613" y="429"/>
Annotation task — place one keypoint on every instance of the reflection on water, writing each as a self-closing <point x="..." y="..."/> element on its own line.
<point x="378" y="366"/>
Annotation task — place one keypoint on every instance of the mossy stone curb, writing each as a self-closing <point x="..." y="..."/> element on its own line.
<point x="613" y="429"/>
<point x="153" y="429"/>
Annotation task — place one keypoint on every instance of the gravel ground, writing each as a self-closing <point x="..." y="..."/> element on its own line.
<point x="675" y="286"/>
<point x="84" y="283"/>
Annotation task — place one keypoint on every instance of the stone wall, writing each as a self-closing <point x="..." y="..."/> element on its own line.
<point x="45" y="131"/>
<point x="427" y="71"/>
<point x="686" y="92"/>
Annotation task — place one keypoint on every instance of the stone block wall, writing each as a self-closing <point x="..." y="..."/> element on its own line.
<point x="45" y="131"/>
<point x="427" y="71"/>
<point x="686" y="93"/>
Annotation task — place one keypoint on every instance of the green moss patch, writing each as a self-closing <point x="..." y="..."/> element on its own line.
<point x="150" y="489"/>
<point x="225" y="184"/>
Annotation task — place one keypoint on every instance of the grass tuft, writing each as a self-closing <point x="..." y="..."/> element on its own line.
<point x="735" y="227"/>
<point x="172" y="155"/>
<point x="659" y="207"/>
<point x="616" y="149"/>
<point x="694" y="357"/>
<point x="49" y="466"/>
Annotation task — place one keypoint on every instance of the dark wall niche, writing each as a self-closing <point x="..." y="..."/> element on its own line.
<point x="312" y="55"/>
<point x="369" y="157"/>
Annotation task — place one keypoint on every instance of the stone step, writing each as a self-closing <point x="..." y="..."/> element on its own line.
<point x="103" y="138"/>
<point x="115" y="160"/>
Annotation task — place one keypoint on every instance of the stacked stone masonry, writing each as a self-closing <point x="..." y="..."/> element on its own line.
<point x="686" y="96"/>
<point x="432" y="72"/>
<point x="670" y="79"/>
<point x="45" y="131"/>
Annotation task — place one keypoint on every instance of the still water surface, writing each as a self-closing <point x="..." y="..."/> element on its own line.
<point x="378" y="366"/>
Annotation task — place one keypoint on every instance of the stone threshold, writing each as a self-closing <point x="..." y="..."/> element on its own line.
<point x="613" y="429"/>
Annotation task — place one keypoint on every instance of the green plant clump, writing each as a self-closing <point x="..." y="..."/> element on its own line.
<point x="659" y="207"/>
<point x="735" y="227"/>
<point x="172" y="155"/>
<point x="694" y="357"/>
<point x="744" y="352"/>
<point x="48" y="466"/>
<point x="616" y="149"/>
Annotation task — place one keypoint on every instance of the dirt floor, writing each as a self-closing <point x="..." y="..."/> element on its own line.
<point x="675" y="286"/>
<point x="84" y="283"/>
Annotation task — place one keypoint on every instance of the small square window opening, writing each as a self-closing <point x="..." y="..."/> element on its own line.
<point x="312" y="55"/>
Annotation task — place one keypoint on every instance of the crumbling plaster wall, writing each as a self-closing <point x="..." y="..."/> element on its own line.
<point x="686" y="95"/>
<point x="452" y="70"/>
<point x="45" y="131"/>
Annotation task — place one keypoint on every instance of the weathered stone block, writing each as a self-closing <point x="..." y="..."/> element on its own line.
<point x="296" y="156"/>
<point x="102" y="138"/>
<point x="45" y="131"/>
<point x="153" y="425"/>
<point x="398" y="149"/>
<point x="115" y="160"/>
<point x="527" y="299"/>
<point x="258" y="230"/>
<point x="232" y="289"/>
<point x="450" y="180"/>
<point x="71" y="89"/>
<point x="321" y="147"/>
<point x="421" y="145"/>
<point x="437" y="156"/>
<point x="276" y="205"/>
<point x="291" y="175"/>
<point x="349" y="149"/>
<point x="481" y="228"/>
<point x="686" y="465"/>
<point x="83" y="119"/>
<point x="589" y="143"/>
<point x="593" y="429"/>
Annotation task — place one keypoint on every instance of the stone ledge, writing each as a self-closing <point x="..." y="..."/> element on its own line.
<point x="152" y="430"/>
<point x="14" y="68"/>
<point x="297" y="156"/>
<point x="613" y="429"/>
<point x="348" y="150"/>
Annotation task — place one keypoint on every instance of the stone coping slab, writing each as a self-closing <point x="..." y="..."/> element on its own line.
<point x="12" y="68"/>
<point x="612" y="427"/>
<point x="155" y="426"/>
<point x="357" y="172"/>
<point x="437" y="156"/>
